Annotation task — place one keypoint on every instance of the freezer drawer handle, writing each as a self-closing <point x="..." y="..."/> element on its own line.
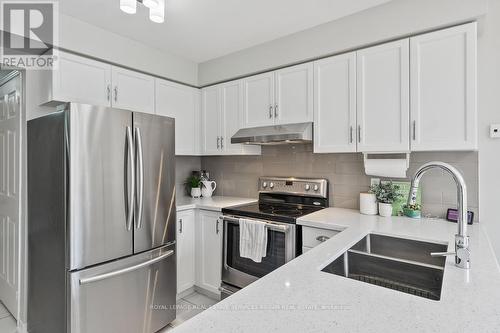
<point x="126" y="270"/>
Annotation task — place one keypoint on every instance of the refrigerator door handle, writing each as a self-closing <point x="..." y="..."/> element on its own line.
<point x="130" y="192"/>
<point x="126" y="270"/>
<point x="140" y="177"/>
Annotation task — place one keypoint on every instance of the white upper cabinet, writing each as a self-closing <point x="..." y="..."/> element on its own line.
<point x="182" y="103"/>
<point x="443" y="90"/>
<point x="284" y="96"/>
<point x="133" y="91"/>
<point x="80" y="80"/>
<point x="231" y="114"/>
<point x="258" y="100"/>
<point x="294" y="94"/>
<point x="211" y="140"/>
<point x="221" y="119"/>
<point x="335" y="104"/>
<point x="383" y="97"/>
<point x="185" y="250"/>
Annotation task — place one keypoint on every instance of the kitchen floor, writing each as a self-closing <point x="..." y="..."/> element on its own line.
<point x="188" y="307"/>
<point x="7" y="322"/>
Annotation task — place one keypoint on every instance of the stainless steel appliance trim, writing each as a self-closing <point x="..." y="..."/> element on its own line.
<point x="321" y="193"/>
<point x="241" y="279"/>
<point x="126" y="270"/>
<point x="140" y="177"/>
<point x="270" y="225"/>
<point x="130" y="165"/>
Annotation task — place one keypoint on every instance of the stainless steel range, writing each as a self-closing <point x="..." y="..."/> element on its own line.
<point x="281" y="202"/>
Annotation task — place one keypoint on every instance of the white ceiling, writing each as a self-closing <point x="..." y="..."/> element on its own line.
<point x="201" y="30"/>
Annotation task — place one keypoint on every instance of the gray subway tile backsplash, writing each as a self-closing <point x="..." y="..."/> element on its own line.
<point x="238" y="175"/>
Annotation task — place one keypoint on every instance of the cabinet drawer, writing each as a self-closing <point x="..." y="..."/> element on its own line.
<point x="310" y="235"/>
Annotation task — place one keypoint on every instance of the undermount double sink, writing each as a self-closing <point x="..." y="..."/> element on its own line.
<point x="396" y="263"/>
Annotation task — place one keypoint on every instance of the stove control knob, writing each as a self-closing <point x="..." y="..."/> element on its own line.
<point x="307" y="187"/>
<point x="316" y="188"/>
<point x="271" y="185"/>
<point x="264" y="184"/>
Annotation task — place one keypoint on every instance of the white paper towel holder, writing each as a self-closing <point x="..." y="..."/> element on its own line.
<point x="365" y="156"/>
<point x="407" y="156"/>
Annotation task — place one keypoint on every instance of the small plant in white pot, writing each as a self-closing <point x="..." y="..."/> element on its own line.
<point x="194" y="183"/>
<point x="386" y="193"/>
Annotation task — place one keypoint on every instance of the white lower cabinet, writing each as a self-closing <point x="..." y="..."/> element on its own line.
<point x="312" y="237"/>
<point x="208" y="251"/>
<point x="185" y="231"/>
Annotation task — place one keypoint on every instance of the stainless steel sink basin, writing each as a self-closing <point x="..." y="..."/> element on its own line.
<point x="396" y="263"/>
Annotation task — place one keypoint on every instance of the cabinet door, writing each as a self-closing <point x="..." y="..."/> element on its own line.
<point x="294" y="94"/>
<point x="383" y="97"/>
<point x="443" y="90"/>
<point x="81" y="80"/>
<point x="335" y="104"/>
<point x="209" y="251"/>
<point x="258" y="100"/>
<point x="231" y="113"/>
<point x="182" y="103"/>
<point x="133" y="91"/>
<point x="210" y="119"/>
<point x="185" y="250"/>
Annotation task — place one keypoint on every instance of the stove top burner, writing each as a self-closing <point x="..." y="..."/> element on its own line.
<point x="278" y="212"/>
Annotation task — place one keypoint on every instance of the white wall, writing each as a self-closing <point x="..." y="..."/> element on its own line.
<point x="489" y="112"/>
<point x="392" y="20"/>
<point x="81" y="37"/>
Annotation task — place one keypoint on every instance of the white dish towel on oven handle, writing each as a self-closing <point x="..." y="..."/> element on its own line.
<point x="253" y="239"/>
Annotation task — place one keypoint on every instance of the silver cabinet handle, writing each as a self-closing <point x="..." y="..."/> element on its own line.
<point x="221" y="142"/>
<point x="218" y="145"/>
<point x="270" y="111"/>
<point x="217" y="226"/>
<point x="116" y="93"/>
<point x="139" y="177"/>
<point x="351" y="138"/>
<point x="180" y="226"/>
<point x="126" y="270"/>
<point x="276" y="111"/>
<point x="414" y="130"/>
<point x="322" y="238"/>
<point x="130" y="164"/>
<point x="359" y="133"/>
<point x="108" y="92"/>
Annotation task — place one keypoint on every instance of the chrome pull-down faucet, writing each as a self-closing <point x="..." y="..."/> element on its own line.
<point x="462" y="252"/>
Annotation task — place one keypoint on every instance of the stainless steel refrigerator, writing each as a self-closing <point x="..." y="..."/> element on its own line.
<point x="101" y="221"/>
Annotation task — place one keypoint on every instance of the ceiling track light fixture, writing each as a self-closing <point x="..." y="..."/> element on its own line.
<point x="156" y="8"/>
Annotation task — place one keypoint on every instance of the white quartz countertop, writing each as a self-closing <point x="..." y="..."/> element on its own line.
<point x="299" y="297"/>
<point x="215" y="203"/>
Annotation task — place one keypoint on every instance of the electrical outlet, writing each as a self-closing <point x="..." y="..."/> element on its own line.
<point x="495" y="131"/>
<point x="374" y="181"/>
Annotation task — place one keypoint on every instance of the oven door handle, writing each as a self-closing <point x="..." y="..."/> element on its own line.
<point x="272" y="226"/>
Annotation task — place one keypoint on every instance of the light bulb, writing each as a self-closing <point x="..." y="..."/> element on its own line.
<point x="150" y="3"/>
<point x="128" y="6"/>
<point x="157" y="14"/>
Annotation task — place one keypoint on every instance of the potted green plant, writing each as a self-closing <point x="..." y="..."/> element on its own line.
<point x="194" y="183"/>
<point x="414" y="211"/>
<point x="386" y="193"/>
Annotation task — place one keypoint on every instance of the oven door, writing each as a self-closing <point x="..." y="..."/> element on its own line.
<point x="240" y="272"/>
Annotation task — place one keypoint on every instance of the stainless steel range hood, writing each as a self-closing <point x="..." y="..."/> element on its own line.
<point x="274" y="135"/>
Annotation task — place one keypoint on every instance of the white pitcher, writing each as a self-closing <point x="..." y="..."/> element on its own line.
<point x="207" y="188"/>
